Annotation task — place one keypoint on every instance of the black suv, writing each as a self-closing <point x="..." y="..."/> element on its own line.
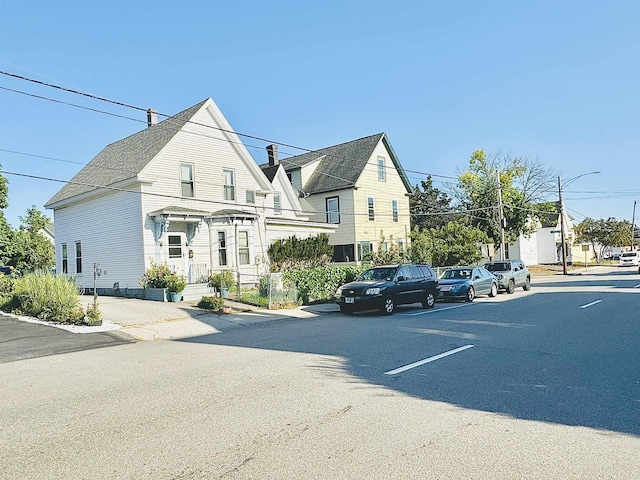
<point x="385" y="287"/>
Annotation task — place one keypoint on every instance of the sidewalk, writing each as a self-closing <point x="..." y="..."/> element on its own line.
<point x="148" y="320"/>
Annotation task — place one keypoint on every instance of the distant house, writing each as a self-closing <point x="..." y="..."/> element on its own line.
<point x="49" y="232"/>
<point x="183" y="191"/>
<point x="360" y="188"/>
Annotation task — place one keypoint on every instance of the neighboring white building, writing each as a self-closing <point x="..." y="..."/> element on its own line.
<point x="183" y="191"/>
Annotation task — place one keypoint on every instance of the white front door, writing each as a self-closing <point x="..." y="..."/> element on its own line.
<point x="177" y="253"/>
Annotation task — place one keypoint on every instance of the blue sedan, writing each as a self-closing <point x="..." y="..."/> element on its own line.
<point x="465" y="283"/>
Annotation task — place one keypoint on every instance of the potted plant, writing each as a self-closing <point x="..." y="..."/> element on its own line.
<point x="175" y="285"/>
<point x="222" y="281"/>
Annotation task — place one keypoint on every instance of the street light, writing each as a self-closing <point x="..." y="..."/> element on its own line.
<point x="563" y="246"/>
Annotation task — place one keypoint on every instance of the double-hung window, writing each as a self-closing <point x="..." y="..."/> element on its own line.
<point x="65" y="259"/>
<point x="277" y="203"/>
<point x="382" y="170"/>
<point x="222" y="249"/>
<point x="229" y="184"/>
<point x="394" y="210"/>
<point x="333" y="210"/>
<point x="371" y="209"/>
<point x="243" y="248"/>
<point x="186" y="179"/>
<point x="78" y="257"/>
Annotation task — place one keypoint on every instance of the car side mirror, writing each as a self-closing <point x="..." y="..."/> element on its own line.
<point x="401" y="278"/>
<point x="477" y="277"/>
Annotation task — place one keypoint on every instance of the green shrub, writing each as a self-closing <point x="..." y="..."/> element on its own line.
<point x="93" y="315"/>
<point x="211" y="303"/>
<point x="48" y="297"/>
<point x="225" y="278"/>
<point x="176" y="283"/>
<point x="320" y="283"/>
<point x="6" y="284"/>
<point x="156" y="276"/>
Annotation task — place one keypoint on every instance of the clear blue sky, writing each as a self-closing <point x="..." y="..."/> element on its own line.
<point x="556" y="81"/>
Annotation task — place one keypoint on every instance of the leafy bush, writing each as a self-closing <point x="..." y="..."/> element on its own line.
<point x="93" y="315"/>
<point x="320" y="283"/>
<point x="211" y="303"/>
<point x="296" y="253"/>
<point x="48" y="297"/>
<point x="225" y="278"/>
<point x="156" y="276"/>
<point x="176" y="283"/>
<point x="6" y="284"/>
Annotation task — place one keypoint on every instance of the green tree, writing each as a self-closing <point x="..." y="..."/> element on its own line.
<point x="604" y="233"/>
<point x="6" y="234"/>
<point x="386" y="254"/>
<point x="32" y="250"/>
<point x="452" y="244"/>
<point x="523" y="184"/>
<point x="429" y="206"/>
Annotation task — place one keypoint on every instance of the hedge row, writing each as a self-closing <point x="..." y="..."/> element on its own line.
<point x="319" y="284"/>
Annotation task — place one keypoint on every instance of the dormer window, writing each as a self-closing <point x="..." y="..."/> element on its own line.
<point x="186" y="179"/>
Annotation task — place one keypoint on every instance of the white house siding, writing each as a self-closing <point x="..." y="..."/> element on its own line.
<point x="548" y="244"/>
<point x="209" y="151"/>
<point x="110" y="233"/>
<point x="345" y="230"/>
<point x="383" y="193"/>
<point x="526" y="249"/>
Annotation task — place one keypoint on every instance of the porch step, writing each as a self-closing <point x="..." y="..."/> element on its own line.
<point x="196" y="291"/>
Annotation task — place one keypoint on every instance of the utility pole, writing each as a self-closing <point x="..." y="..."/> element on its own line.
<point x="564" y="248"/>
<point x="503" y="222"/>
<point x="633" y="225"/>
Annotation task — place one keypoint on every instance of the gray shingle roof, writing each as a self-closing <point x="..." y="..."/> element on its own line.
<point x="341" y="165"/>
<point x="125" y="158"/>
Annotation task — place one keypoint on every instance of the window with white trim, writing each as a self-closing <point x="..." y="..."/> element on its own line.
<point x="371" y="209"/>
<point x="394" y="210"/>
<point x="229" y="180"/>
<point x="277" y="203"/>
<point x="65" y="259"/>
<point x="382" y="170"/>
<point x="78" y="257"/>
<point x="333" y="210"/>
<point x="222" y="249"/>
<point x="243" y="248"/>
<point x="250" y="197"/>
<point x="186" y="180"/>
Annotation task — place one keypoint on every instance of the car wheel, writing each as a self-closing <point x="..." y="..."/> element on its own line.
<point x="471" y="294"/>
<point x="511" y="286"/>
<point x="388" y="306"/>
<point x="527" y="285"/>
<point x="430" y="301"/>
<point x="494" y="290"/>
<point x="346" y="310"/>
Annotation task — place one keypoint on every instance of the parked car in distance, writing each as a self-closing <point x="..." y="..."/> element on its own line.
<point x="385" y="287"/>
<point x="630" y="259"/>
<point x="6" y="270"/>
<point x="465" y="283"/>
<point x="510" y="274"/>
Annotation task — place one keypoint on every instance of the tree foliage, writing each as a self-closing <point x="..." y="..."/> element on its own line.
<point x="32" y="251"/>
<point x="429" y="206"/>
<point x="605" y="233"/>
<point x="523" y="184"/>
<point x="452" y="244"/>
<point x="293" y="252"/>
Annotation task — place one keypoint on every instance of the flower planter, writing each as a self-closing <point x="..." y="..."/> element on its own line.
<point x="175" y="296"/>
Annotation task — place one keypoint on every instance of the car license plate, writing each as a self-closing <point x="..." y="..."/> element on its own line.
<point x="445" y="288"/>
<point x="348" y="300"/>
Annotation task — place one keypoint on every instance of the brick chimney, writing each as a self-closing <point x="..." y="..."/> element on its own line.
<point x="272" y="153"/>
<point x="152" y="117"/>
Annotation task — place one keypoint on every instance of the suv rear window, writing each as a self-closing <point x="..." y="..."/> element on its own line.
<point x="498" y="267"/>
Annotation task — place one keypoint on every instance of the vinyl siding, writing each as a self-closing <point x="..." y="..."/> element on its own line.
<point x="383" y="193"/>
<point x="345" y="231"/>
<point x="109" y="228"/>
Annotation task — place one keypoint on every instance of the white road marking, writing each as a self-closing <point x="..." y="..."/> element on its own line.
<point x="427" y="360"/>
<point x="434" y="310"/>
<point x="590" y="304"/>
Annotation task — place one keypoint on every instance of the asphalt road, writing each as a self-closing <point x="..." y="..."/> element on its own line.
<point x="539" y="384"/>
